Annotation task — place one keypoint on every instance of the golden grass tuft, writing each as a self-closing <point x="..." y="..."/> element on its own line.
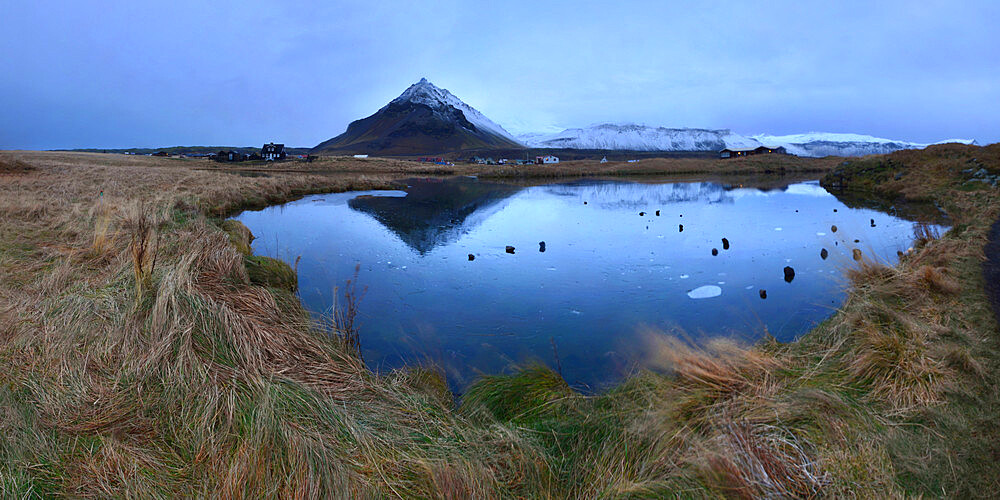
<point x="761" y="461"/>
<point x="141" y="222"/>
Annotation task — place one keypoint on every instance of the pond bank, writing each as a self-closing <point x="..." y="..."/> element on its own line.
<point x="214" y="385"/>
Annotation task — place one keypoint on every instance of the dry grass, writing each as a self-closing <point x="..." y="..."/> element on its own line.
<point x="140" y="361"/>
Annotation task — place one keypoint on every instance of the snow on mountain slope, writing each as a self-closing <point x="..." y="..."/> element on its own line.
<point x="638" y="138"/>
<point x="423" y="120"/>
<point x="644" y="138"/>
<point x="425" y="92"/>
<point x="818" y="144"/>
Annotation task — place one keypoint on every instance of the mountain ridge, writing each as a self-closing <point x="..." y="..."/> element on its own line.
<point x="429" y="120"/>
<point x="633" y="137"/>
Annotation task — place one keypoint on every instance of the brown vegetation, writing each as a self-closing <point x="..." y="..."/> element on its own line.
<point x="140" y="359"/>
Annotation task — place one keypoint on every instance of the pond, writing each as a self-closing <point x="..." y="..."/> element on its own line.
<point x="621" y="261"/>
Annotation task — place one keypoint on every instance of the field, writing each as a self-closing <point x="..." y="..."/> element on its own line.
<point x="145" y="354"/>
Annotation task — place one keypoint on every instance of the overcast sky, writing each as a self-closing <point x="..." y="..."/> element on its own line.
<point x="130" y="74"/>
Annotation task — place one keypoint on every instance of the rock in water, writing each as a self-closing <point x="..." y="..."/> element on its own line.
<point x="657" y="213"/>
<point x="762" y="293"/>
<point x="510" y="249"/>
<point x="789" y="274"/>
<point x="715" y="251"/>
<point x="725" y="244"/>
<point x="680" y="228"/>
<point x="705" y="292"/>
<point x="642" y="214"/>
<point x="833" y="229"/>
<point x="823" y="254"/>
<point x="541" y="246"/>
<point x="857" y="254"/>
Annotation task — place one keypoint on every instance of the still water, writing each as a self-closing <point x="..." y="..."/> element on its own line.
<point x="620" y="260"/>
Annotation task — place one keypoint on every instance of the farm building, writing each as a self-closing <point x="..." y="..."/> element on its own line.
<point x="228" y="156"/>
<point x="760" y="150"/>
<point x="546" y="159"/>
<point x="272" y="151"/>
<point x="763" y="150"/>
<point x="736" y="152"/>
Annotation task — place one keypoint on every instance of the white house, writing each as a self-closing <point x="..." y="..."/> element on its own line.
<point x="546" y="159"/>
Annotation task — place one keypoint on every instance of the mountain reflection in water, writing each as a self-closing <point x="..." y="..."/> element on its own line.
<point x="607" y="277"/>
<point x="435" y="212"/>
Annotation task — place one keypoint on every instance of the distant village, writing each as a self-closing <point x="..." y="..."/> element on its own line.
<point x="276" y="152"/>
<point x="268" y="152"/>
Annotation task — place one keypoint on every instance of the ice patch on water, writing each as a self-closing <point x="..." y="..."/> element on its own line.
<point x="705" y="292"/>
<point x="684" y="276"/>
<point x="820" y="234"/>
<point x="777" y="229"/>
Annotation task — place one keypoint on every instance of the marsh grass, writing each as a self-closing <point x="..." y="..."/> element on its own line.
<point x="215" y="386"/>
<point x="342" y="320"/>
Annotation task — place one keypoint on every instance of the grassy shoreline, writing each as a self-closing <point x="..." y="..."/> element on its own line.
<point x="175" y="375"/>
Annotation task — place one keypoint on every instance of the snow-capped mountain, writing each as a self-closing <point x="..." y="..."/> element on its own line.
<point x="428" y="120"/>
<point x="819" y="144"/>
<point x="424" y="119"/>
<point x="644" y="138"/>
<point x="638" y="138"/>
<point x="425" y="92"/>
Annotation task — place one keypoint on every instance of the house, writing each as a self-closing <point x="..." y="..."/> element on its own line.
<point x="760" y="150"/>
<point x="736" y="152"/>
<point x="228" y="156"/>
<point x="272" y="151"/>
<point x="763" y="150"/>
<point x="546" y="159"/>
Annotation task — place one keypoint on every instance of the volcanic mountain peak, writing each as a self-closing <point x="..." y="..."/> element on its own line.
<point x="424" y="119"/>
<point x="426" y="93"/>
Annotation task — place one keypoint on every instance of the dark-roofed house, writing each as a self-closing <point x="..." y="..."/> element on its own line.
<point x="736" y="152"/>
<point x="272" y="151"/>
<point x="763" y="150"/>
<point x="760" y="150"/>
<point x="228" y="156"/>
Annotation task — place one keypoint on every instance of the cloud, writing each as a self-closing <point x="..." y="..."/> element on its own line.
<point x="162" y="73"/>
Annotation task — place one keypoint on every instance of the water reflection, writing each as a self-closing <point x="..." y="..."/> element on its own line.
<point x="435" y="212"/>
<point x="442" y="286"/>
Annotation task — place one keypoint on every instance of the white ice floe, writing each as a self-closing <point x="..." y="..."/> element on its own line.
<point x="705" y="292"/>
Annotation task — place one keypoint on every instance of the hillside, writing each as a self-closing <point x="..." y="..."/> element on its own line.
<point x="423" y="120"/>
<point x="631" y="137"/>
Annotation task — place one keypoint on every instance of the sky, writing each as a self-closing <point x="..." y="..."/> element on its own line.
<point x="116" y="74"/>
